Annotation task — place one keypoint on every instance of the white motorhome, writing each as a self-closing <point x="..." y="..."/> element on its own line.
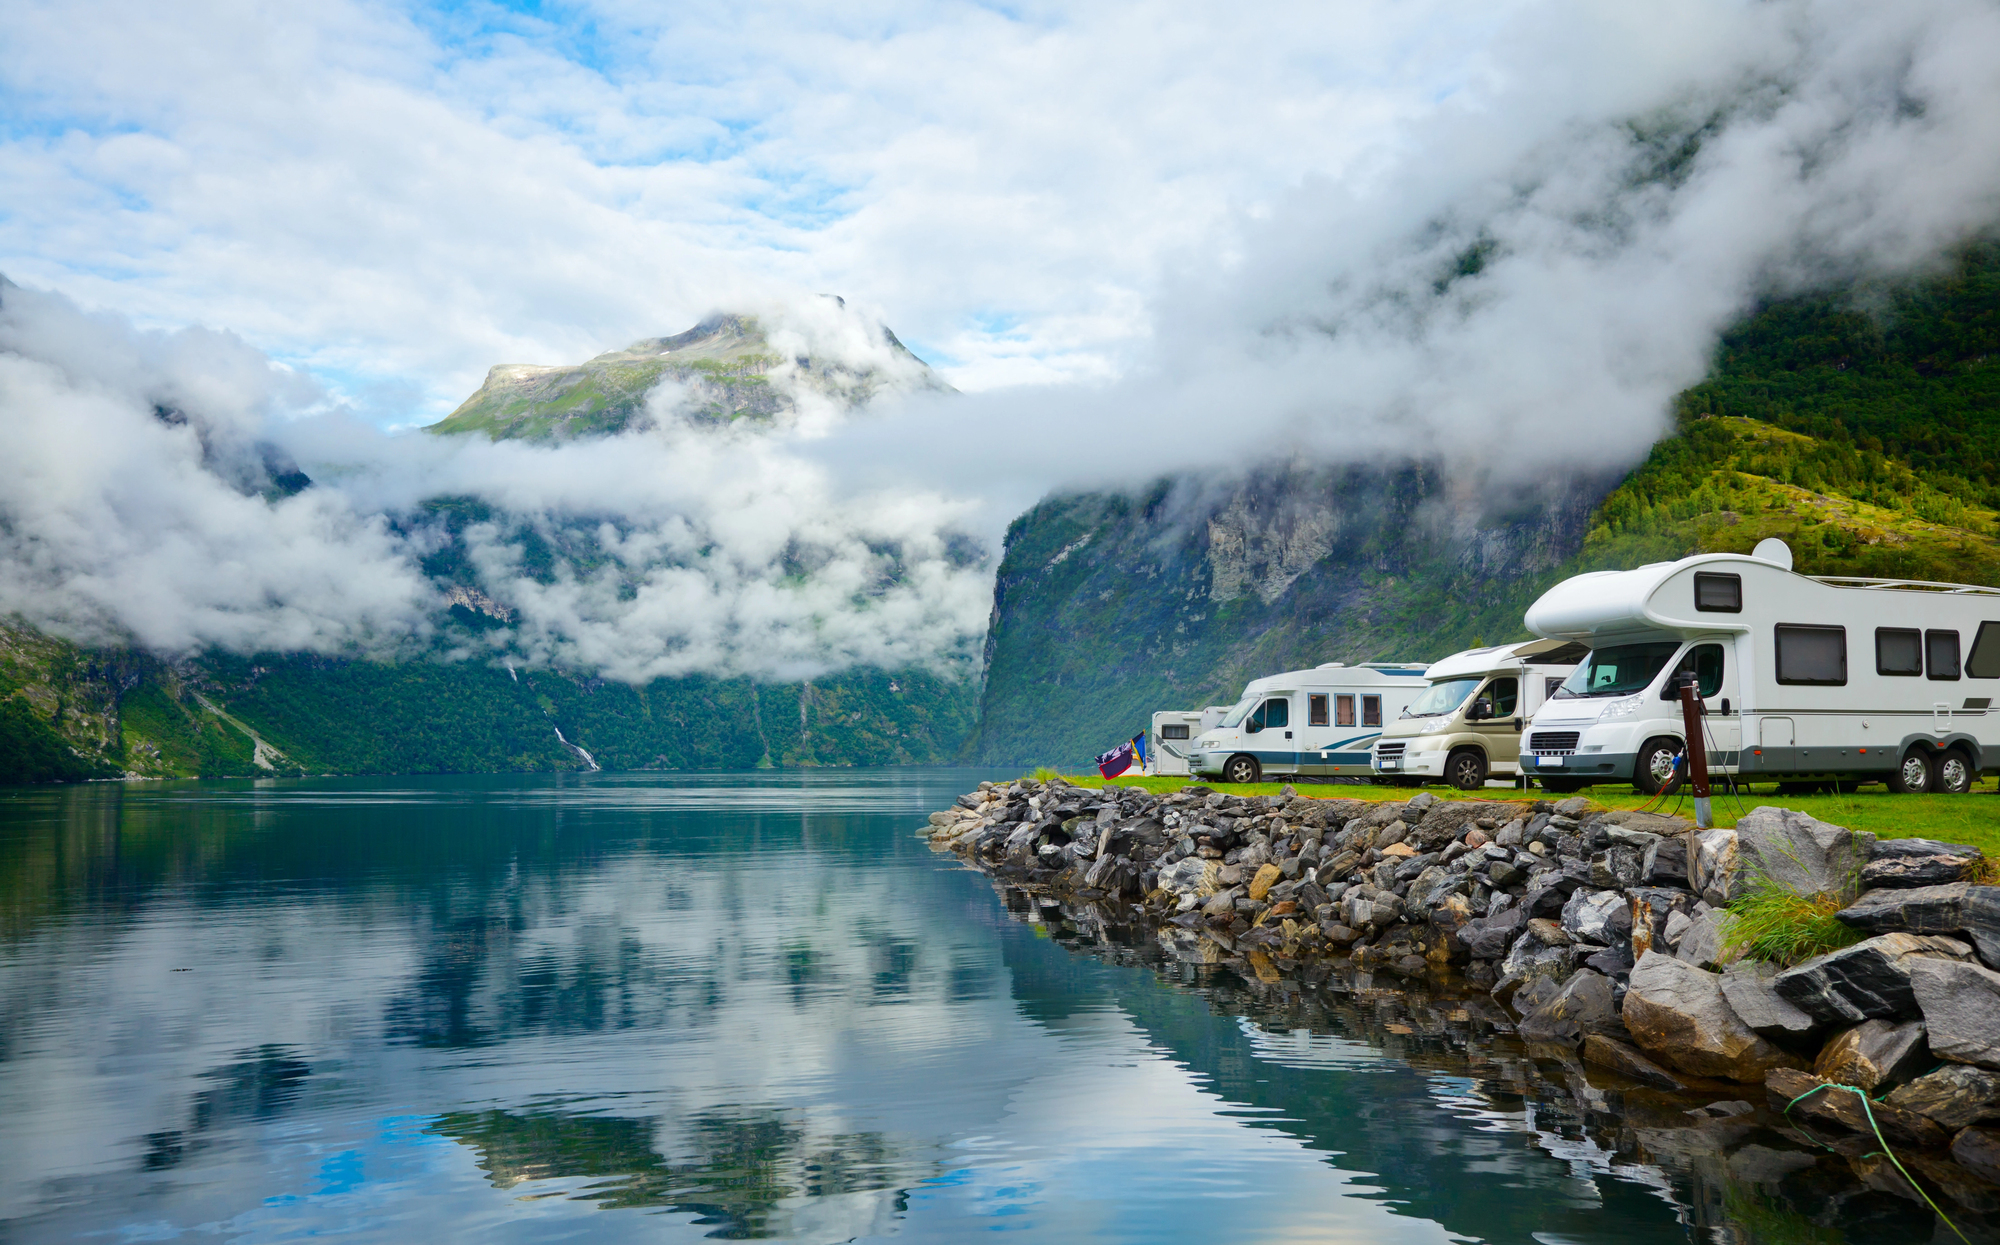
<point x="1313" y="722"/>
<point x="1805" y="679"/>
<point x="1174" y="733"/>
<point x="1466" y="727"/>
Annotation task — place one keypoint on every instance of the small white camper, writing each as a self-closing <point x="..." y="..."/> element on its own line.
<point x="1174" y="733"/>
<point x="1466" y="727"/>
<point x="1316" y="722"/>
<point x="1805" y="679"/>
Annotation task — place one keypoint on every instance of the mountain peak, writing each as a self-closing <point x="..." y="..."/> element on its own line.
<point x="727" y="368"/>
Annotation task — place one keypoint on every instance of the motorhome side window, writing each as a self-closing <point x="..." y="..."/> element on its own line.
<point x="1811" y="654"/>
<point x="1174" y="730"/>
<point x="1717" y="593"/>
<point x="1941" y="654"/>
<point x="1505" y="694"/>
<point x="1984" y="663"/>
<point x="1371" y="711"/>
<point x="1899" y="650"/>
<point x="1316" y="709"/>
<point x="1344" y="706"/>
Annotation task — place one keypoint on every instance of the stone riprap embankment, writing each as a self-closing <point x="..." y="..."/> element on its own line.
<point x="1605" y="933"/>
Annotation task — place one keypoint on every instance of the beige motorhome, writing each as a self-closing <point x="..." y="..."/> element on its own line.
<point x="1466" y="726"/>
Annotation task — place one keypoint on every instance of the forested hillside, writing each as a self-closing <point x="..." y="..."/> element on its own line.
<point x="73" y="713"/>
<point x="1862" y="426"/>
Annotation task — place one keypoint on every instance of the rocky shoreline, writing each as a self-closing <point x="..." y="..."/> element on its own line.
<point x="1595" y="939"/>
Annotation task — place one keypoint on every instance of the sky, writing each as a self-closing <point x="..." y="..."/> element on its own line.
<point x="1143" y="241"/>
<point x="398" y="197"/>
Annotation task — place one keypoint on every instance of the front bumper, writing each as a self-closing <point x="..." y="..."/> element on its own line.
<point x="1420" y="764"/>
<point x="1595" y="766"/>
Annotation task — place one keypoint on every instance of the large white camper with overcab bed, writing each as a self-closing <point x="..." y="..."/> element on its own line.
<point x="1805" y="680"/>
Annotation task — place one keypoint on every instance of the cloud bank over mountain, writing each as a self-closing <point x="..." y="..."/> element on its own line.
<point x="145" y="502"/>
<point x="1511" y="272"/>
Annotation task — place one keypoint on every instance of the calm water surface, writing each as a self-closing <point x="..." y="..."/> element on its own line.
<point x="671" y="1008"/>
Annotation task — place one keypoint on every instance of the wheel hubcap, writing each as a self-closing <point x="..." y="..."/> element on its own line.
<point x="1954" y="773"/>
<point x="1913" y="772"/>
<point x="1663" y="767"/>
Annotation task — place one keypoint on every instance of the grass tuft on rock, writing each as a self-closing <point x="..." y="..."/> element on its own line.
<point x="1776" y="923"/>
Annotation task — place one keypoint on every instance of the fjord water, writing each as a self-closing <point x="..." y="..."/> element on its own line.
<point x="637" y="1007"/>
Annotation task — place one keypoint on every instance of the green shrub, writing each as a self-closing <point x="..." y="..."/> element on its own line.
<point x="1775" y="923"/>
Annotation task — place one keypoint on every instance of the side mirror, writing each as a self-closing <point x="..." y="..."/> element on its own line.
<point x="1480" y="711"/>
<point x="1252" y="727"/>
<point x="1725" y="706"/>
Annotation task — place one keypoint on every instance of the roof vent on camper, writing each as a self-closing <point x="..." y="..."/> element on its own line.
<point x="1331" y="665"/>
<point x="1771" y="549"/>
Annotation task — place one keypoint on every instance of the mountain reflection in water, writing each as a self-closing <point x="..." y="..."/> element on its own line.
<point x="746" y="1006"/>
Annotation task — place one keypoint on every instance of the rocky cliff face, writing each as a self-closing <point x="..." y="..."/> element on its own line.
<point x="1110" y="607"/>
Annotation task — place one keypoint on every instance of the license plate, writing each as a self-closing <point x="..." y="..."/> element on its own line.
<point x="1549" y="762"/>
<point x="1392" y="765"/>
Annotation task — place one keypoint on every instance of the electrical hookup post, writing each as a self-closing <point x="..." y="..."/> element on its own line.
<point x="1692" y="711"/>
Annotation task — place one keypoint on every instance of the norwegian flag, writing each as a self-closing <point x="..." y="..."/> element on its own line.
<point x="1119" y="759"/>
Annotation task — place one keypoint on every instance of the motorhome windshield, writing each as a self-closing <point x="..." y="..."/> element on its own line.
<point x="1443" y="696"/>
<point x="1619" y="670"/>
<point x="1241" y="708"/>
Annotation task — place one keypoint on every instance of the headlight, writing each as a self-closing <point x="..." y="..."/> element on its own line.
<point x="1621" y="708"/>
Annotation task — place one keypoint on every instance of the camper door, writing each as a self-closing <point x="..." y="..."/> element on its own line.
<point x="1710" y="664"/>
<point x="1269" y="732"/>
<point x="1500" y="732"/>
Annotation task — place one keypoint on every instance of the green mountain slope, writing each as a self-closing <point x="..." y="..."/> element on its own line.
<point x="68" y="713"/>
<point x="1862" y="426"/>
<point x="727" y="364"/>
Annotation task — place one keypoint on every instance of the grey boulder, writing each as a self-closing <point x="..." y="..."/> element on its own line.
<point x="1955" y="1095"/>
<point x="1961" y="1008"/>
<point x="1869" y="979"/>
<point x="1678" y="1015"/>
<point x="1903" y="872"/>
<point x="1602" y="917"/>
<point x="1702" y="943"/>
<point x="1653" y="909"/>
<point x="1800" y="852"/>
<point x="1488" y="937"/>
<point x="1749" y="987"/>
<point x="1951" y="908"/>
<point x="1874" y="1055"/>
<point x="1583" y="1005"/>
<point x="1529" y="959"/>
<point x="1713" y="871"/>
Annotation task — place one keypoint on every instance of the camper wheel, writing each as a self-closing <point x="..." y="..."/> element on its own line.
<point x="1913" y="773"/>
<point x="1242" y="768"/>
<point x="1653" y="772"/>
<point x="1954" y="773"/>
<point x="1466" y="769"/>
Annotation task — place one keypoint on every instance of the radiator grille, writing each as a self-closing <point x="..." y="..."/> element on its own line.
<point x="1389" y="751"/>
<point x="1553" y="741"/>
